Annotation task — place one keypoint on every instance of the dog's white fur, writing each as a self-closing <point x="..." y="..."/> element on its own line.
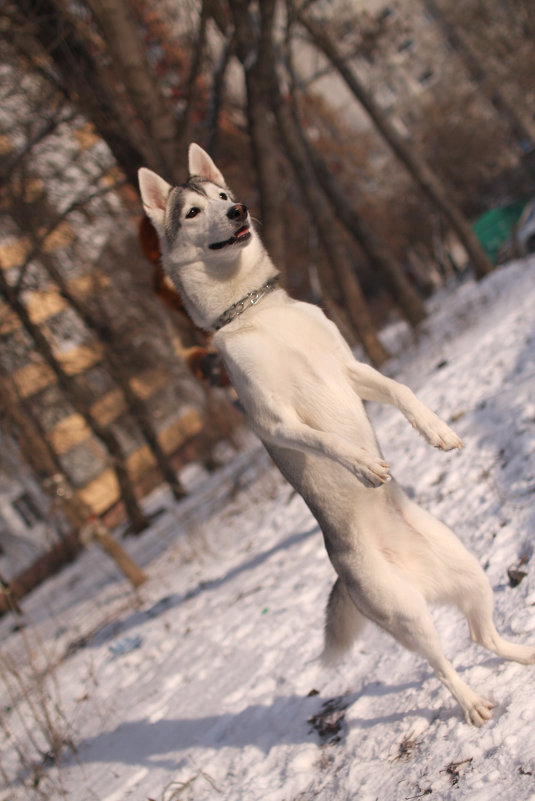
<point x="302" y="391"/>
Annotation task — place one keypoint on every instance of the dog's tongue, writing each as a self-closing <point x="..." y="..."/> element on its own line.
<point x="238" y="235"/>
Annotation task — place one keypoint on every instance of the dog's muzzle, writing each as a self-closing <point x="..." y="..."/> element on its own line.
<point x="237" y="214"/>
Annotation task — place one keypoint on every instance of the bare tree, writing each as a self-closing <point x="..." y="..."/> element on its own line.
<point x="326" y="224"/>
<point x="106" y="336"/>
<point x="215" y="104"/>
<point x="254" y="49"/>
<point x="31" y="219"/>
<point x="381" y="258"/>
<point x="79" y="76"/>
<point x="418" y="169"/>
<point x="115" y="19"/>
<point x="98" y="62"/>
<point x="520" y="125"/>
<point x="195" y="68"/>
<point x="79" y="402"/>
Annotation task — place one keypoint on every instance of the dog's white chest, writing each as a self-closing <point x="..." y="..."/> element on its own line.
<point x="291" y="357"/>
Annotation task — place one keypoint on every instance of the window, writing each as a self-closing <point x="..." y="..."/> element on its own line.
<point x="405" y="46"/>
<point x="426" y="76"/>
<point x="27" y="509"/>
<point x="384" y="14"/>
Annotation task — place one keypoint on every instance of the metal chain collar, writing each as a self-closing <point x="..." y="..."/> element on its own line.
<point x="241" y="305"/>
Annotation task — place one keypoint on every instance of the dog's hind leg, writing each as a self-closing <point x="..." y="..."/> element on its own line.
<point x="477" y="606"/>
<point x="462" y="581"/>
<point x="401" y="609"/>
<point x="477" y="710"/>
<point x="343" y="623"/>
<point x="417" y="633"/>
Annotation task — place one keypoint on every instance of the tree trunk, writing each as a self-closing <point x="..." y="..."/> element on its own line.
<point x="76" y="397"/>
<point x="63" y="552"/>
<point x="337" y="314"/>
<point x="82" y="81"/>
<point x="96" y="531"/>
<point x="103" y="332"/>
<point x="265" y="156"/>
<point x="135" y="405"/>
<point x="325" y="224"/>
<point x="45" y="465"/>
<point x="419" y="170"/>
<point x="389" y="271"/>
<point x="48" y="471"/>
<point x="520" y="125"/>
<point x="33" y="445"/>
<point x="216" y="96"/>
<point x="39" y="454"/>
<point x="186" y="122"/>
<point x="115" y="19"/>
<point x="254" y="52"/>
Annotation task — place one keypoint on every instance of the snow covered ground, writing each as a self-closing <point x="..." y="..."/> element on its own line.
<point x="206" y="684"/>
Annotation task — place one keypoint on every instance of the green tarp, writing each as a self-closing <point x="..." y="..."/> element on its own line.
<point x="494" y="228"/>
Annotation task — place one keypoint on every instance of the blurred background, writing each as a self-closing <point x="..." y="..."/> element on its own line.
<point x="385" y="148"/>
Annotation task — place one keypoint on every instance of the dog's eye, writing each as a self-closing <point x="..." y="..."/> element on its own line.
<point x="223" y="196"/>
<point x="193" y="212"/>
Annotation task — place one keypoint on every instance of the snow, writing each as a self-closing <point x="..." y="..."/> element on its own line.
<point x="206" y="683"/>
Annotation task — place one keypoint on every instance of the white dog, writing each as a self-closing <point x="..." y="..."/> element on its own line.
<point x="302" y="391"/>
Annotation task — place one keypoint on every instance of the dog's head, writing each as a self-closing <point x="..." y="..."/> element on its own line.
<point x="198" y="221"/>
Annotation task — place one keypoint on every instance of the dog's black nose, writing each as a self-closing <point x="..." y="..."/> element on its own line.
<point x="237" y="212"/>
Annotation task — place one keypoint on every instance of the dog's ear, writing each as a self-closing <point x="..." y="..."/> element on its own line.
<point x="201" y="164"/>
<point x="154" y="191"/>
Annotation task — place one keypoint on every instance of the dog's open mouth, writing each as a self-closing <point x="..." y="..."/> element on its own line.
<point x="242" y="235"/>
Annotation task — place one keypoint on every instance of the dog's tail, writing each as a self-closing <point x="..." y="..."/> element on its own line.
<point x="343" y="624"/>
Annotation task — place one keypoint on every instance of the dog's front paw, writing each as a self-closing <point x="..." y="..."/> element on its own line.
<point x="373" y="472"/>
<point x="438" y="434"/>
